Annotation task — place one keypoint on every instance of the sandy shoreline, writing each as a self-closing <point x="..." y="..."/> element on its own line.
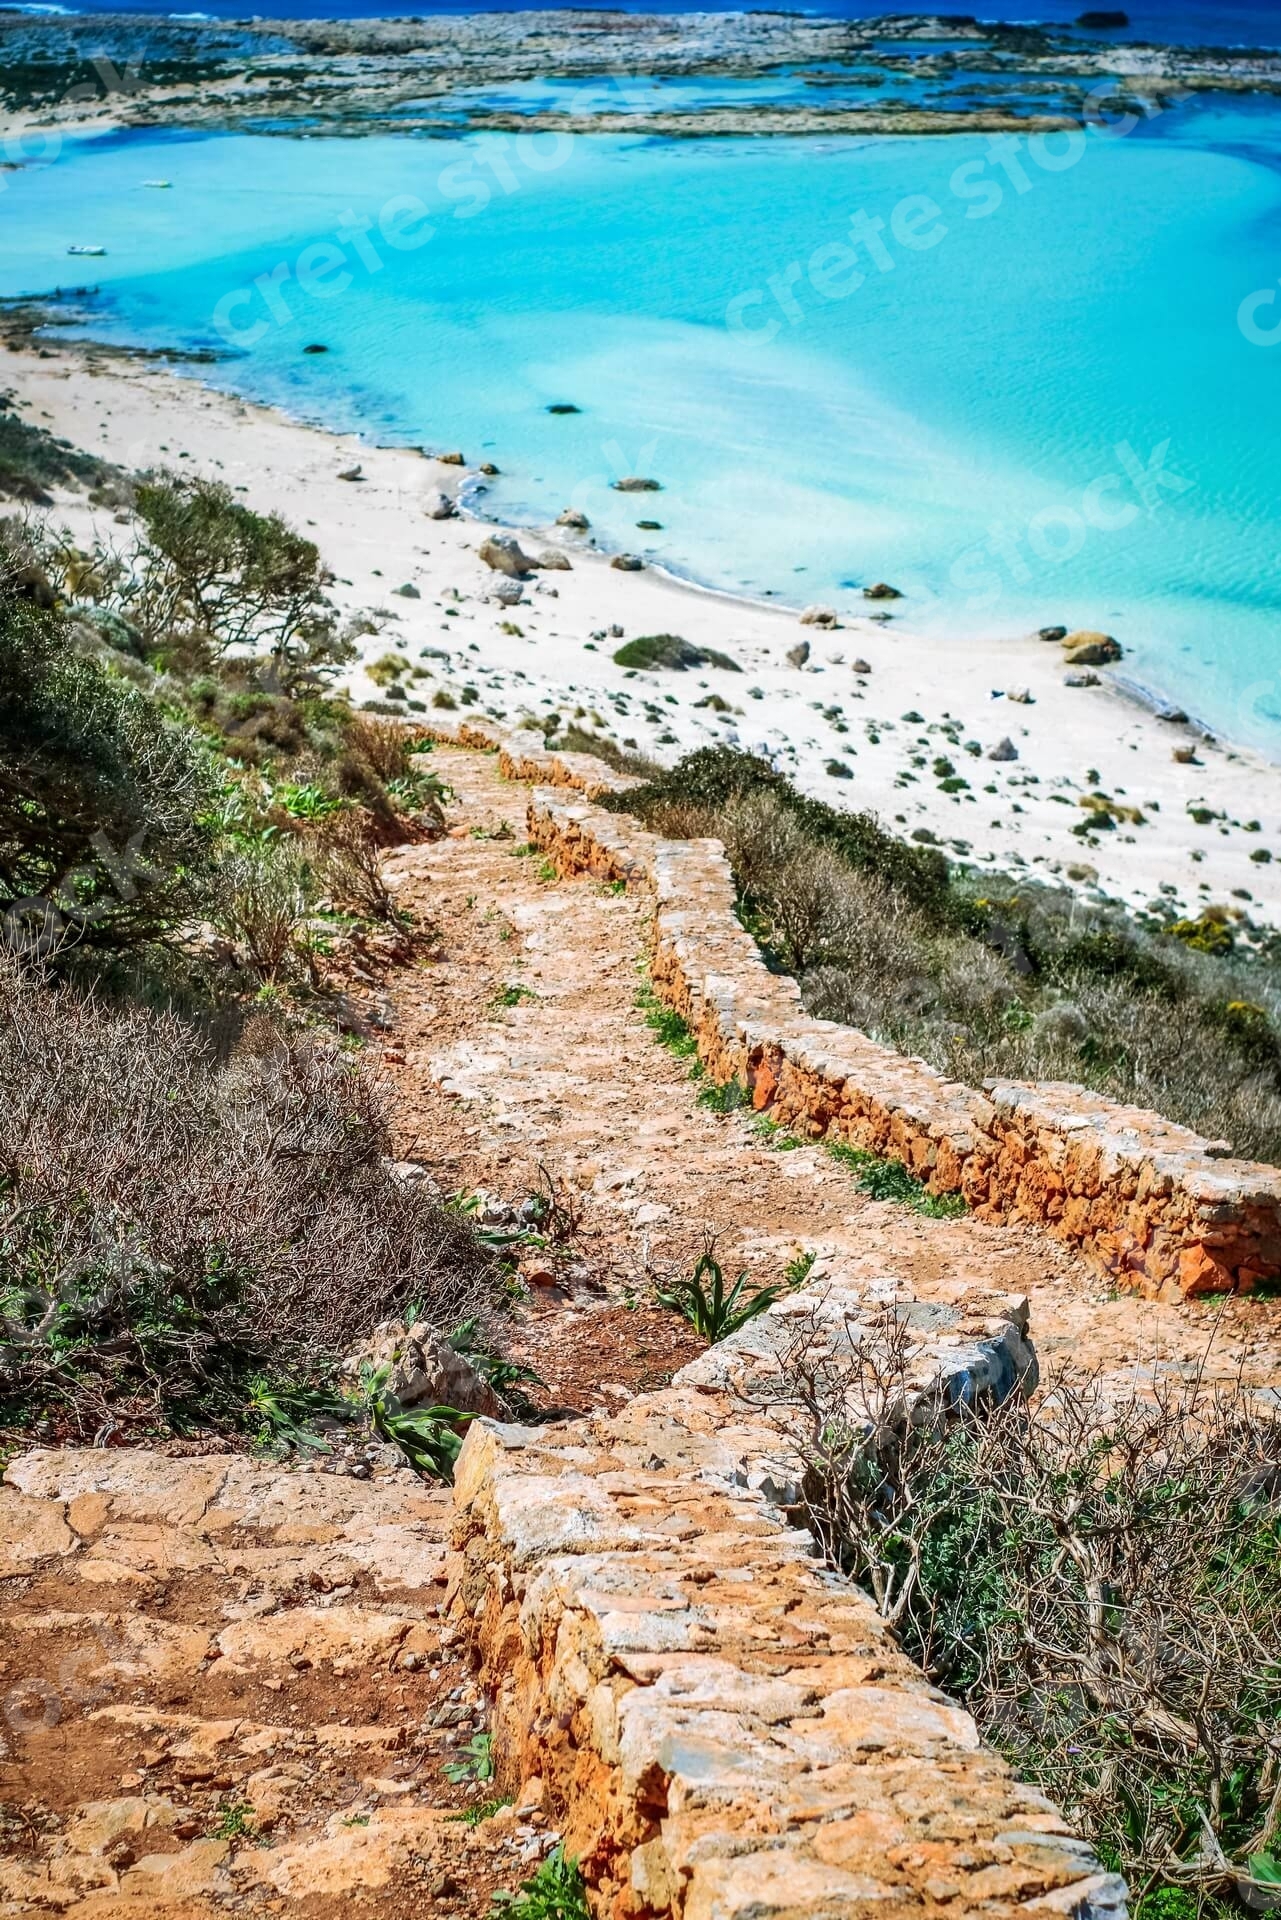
<point x="459" y="641"/>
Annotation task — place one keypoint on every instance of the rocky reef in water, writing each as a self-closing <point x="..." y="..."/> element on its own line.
<point x="432" y="76"/>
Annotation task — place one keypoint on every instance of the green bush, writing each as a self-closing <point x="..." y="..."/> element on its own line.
<point x="102" y="841"/>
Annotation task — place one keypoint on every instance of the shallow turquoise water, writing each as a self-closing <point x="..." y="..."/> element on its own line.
<point x="967" y="422"/>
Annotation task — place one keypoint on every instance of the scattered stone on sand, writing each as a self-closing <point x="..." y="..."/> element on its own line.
<point x="437" y="505"/>
<point x="627" y="563"/>
<point x="454" y="459"/>
<point x="819" y="617"/>
<point x="1186" y="756"/>
<point x="1004" y="749"/>
<point x="1174" y="716"/>
<point x="1053" y="634"/>
<point x="1082" y="677"/>
<point x="408" y="592"/>
<point x="507" y="591"/>
<point x="860" y="666"/>
<point x="488" y="468"/>
<point x="633" y="483"/>
<point x="1084" y="648"/>
<point x="881" y="590"/>
<point x="555" y="561"/>
<point x="1020" y="696"/>
<point x="351" y="473"/>
<point x="504" y="553"/>
<point x="798" y="655"/>
<point x="573" y="517"/>
<point x="837" y="770"/>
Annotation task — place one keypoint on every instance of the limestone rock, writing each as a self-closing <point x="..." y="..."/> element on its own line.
<point x="881" y="591"/>
<point x="798" y="655"/>
<point x="860" y="666"/>
<point x="425" y="1371"/>
<point x="1082" y="677"/>
<point x="1052" y="634"/>
<point x="1004" y="749"/>
<point x="1020" y="696"/>
<point x="575" y="518"/>
<point x="437" y="505"/>
<point x="635" y="484"/>
<point x="627" y="563"/>
<point x="451" y="459"/>
<point x="554" y="561"/>
<point x="1084" y="648"/>
<point x="819" y="617"/>
<point x="504" y="553"/>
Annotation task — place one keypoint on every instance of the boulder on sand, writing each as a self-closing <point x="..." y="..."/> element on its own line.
<point x="503" y="552"/>
<point x="799" y="654"/>
<point x="1003" y="750"/>
<point x="627" y="563"/>
<point x="819" y="617"/>
<point x="573" y="517"/>
<point x="1084" y="648"/>
<point x="437" y="505"/>
<point x="554" y="561"/>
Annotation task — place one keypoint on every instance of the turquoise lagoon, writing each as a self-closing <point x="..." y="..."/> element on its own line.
<point x="1029" y="396"/>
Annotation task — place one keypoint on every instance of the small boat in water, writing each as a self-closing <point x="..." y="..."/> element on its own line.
<point x="157" y="183"/>
<point x="93" y="252"/>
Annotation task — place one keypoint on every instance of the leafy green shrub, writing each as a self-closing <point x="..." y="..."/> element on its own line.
<point x="554" y="1892"/>
<point x="211" y="574"/>
<point x="656" y="651"/>
<point x="101" y="798"/>
<point x="188" y="1234"/>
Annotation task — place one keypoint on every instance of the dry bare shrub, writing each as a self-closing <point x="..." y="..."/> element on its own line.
<point x="351" y="853"/>
<point x="264" y="892"/>
<point x="386" y="745"/>
<point x="1097" y="1574"/>
<point x="173" y="1225"/>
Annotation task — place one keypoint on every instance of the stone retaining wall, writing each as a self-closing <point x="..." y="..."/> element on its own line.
<point x="720" y="1729"/>
<point x="1151" y="1203"/>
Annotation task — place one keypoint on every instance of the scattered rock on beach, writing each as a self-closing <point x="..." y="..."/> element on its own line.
<point x="408" y="592"/>
<point x="1004" y="749"/>
<point x="555" y="561"/>
<point x="881" y="591"/>
<point x="507" y="591"/>
<point x="634" y="484"/>
<point x="454" y="459"/>
<point x="1021" y="696"/>
<point x="351" y="473"/>
<point x="1085" y="648"/>
<point x="503" y="552"/>
<point x="860" y="666"/>
<point x="819" y="617"/>
<point x="488" y="467"/>
<point x="1186" y="756"/>
<point x="573" y="517"/>
<point x="627" y="563"/>
<point x="1051" y="633"/>
<point x="799" y="654"/>
<point x="437" y="505"/>
<point x="1082" y="677"/>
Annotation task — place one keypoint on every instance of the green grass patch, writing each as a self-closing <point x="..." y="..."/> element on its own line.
<point x="671" y="1030"/>
<point x="729" y="1097"/>
<point x="891" y="1180"/>
<point x="555" y="1892"/>
<point x="513" y="996"/>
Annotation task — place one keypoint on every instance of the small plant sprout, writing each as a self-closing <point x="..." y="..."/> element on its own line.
<point x="710" y="1310"/>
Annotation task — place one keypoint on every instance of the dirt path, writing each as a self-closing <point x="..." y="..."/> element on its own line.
<point x="569" y="1077"/>
<point x="226" y="1687"/>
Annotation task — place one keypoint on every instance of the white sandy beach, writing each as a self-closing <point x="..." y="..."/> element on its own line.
<point x="376" y="537"/>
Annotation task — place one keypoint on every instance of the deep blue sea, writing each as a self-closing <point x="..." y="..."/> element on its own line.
<point x="1174" y="22"/>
